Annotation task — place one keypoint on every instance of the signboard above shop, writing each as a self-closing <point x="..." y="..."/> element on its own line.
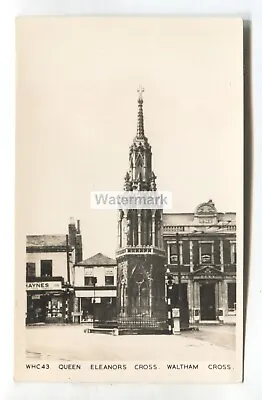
<point x="51" y="285"/>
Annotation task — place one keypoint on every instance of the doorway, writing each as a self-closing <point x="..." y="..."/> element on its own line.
<point x="37" y="308"/>
<point x="207" y="302"/>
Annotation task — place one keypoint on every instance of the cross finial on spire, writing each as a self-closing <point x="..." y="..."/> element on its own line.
<point x="140" y="91"/>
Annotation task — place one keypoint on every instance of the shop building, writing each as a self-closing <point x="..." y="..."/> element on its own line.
<point x="49" y="275"/>
<point x="201" y="263"/>
<point x="95" y="289"/>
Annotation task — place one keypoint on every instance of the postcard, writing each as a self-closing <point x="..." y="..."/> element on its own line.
<point x="129" y="199"/>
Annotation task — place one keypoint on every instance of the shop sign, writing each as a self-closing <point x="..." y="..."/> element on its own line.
<point x="96" y="299"/>
<point x="109" y="272"/>
<point x="89" y="271"/>
<point x="52" y="285"/>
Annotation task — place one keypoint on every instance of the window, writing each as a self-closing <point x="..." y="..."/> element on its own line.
<point x="206" y="253"/>
<point x="231" y="296"/>
<point x="109" y="280"/>
<point x="46" y="268"/>
<point x="217" y="252"/>
<point x="173" y="254"/>
<point x="90" y="280"/>
<point x="233" y="253"/>
<point x="226" y="248"/>
<point x="186" y="252"/>
<point x="195" y="252"/>
<point x="30" y="270"/>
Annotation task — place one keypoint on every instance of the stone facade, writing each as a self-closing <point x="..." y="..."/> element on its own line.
<point x="140" y="255"/>
<point x="201" y="248"/>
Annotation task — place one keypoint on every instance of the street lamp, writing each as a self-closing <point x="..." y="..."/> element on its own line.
<point x="179" y="276"/>
<point x="94" y="282"/>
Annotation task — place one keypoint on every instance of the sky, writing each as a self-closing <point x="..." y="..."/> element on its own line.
<point x="77" y="81"/>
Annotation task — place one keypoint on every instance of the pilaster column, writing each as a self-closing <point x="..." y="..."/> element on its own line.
<point x="120" y="233"/>
<point x="139" y="228"/>
<point x="150" y="291"/>
<point x="225" y="296"/>
<point x="181" y="252"/>
<point x="221" y="255"/>
<point x="190" y="301"/>
<point x="124" y="230"/>
<point x="153" y="229"/>
<point x="196" y="295"/>
<point x="168" y="254"/>
<point x="219" y="298"/>
<point x="212" y="253"/>
<point x="191" y="262"/>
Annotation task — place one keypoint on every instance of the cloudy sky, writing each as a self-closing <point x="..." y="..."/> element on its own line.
<point x="77" y="85"/>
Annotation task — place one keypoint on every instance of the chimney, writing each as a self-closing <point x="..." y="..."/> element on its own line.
<point x="72" y="232"/>
<point x="78" y="226"/>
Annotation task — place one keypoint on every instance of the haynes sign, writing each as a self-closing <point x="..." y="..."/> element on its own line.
<point x="51" y="285"/>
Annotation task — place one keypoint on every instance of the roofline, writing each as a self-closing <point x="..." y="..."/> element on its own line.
<point x="193" y="213"/>
<point x="94" y="265"/>
<point x="47" y="249"/>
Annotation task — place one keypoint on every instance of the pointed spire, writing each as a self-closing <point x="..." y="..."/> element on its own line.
<point x="140" y="116"/>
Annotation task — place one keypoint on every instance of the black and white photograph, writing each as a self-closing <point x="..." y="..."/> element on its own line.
<point x="129" y="199"/>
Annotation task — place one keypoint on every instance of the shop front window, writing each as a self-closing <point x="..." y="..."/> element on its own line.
<point x="55" y="308"/>
<point x="87" y="308"/>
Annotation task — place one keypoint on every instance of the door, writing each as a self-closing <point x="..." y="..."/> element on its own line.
<point x="207" y="302"/>
<point x="40" y="309"/>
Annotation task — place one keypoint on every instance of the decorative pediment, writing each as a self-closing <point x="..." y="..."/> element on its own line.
<point x="206" y="209"/>
<point x="207" y="272"/>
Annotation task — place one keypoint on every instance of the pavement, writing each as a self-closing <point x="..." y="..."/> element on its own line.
<point x="69" y="342"/>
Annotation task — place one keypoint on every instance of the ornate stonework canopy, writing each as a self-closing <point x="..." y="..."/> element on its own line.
<point x="206" y="209"/>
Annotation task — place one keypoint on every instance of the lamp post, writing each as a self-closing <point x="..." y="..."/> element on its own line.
<point x="94" y="281"/>
<point x="179" y="276"/>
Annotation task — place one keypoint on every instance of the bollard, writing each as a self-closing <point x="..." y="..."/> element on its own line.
<point x="115" y="332"/>
<point x="176" y="321"/>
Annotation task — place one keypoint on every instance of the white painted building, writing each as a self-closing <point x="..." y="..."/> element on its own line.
<point x="94" y="282"/>
<point x="49" y="275"/>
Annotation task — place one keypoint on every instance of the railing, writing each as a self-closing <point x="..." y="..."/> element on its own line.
<point x="198" y="229"/>
<point x="140" y="321"/>
<point x="196" y="267"/>
<point x="172" y="228"/>
<point x="140" y="249"/>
